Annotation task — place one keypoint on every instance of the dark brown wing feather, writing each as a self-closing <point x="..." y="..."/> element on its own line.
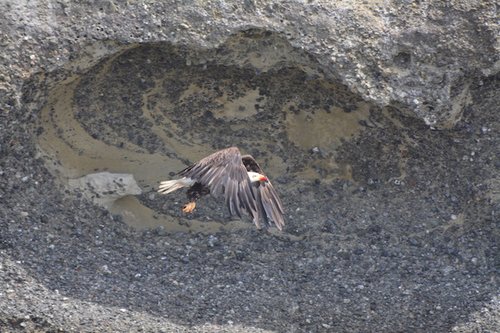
<point x="267" y="201"/>
<point x="223" y="173"/>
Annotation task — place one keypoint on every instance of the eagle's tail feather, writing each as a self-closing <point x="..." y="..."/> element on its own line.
<point x="168" y="186"/>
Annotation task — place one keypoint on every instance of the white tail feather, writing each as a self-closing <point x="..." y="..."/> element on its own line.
<point x="168" y="186"/>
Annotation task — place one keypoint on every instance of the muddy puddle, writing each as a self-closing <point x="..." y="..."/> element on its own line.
<point x="148" y="111"/>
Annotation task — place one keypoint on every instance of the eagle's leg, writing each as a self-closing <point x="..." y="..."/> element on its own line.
<point x="194" y="193"/>
<point x="189" y="207"/>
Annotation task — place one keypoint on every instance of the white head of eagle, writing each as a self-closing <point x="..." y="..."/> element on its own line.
<point x="256" y="177"/>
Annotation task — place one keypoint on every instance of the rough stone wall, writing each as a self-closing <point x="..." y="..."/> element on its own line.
<point x="420" y="56"/>
<point x="404" y="238"/>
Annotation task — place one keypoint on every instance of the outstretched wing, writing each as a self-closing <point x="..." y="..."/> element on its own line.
<point x="267" y="201"/>
<point x="223" y="173"/>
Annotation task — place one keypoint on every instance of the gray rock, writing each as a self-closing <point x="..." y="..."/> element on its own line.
<point x="418" y="57"/>
<point x="143" y="82"/>
<point x="105" y="187"/>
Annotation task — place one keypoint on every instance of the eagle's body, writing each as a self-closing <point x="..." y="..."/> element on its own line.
<point x="238" y="178"/>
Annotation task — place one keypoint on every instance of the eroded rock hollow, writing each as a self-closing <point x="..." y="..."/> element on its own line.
<point x="149" y="110"/>
<point x="377" y="123"/>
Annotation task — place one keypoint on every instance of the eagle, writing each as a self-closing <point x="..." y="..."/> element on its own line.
<point x="239" y="179"/>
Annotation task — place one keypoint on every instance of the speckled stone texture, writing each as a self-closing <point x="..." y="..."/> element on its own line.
<point x="420" y="56"/>
<point x="377" y="121"/>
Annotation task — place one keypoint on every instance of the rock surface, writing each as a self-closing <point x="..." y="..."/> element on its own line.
<point x="391" y="225"/>
<point x="421" y="57"/>
<point x="105" y="187"/>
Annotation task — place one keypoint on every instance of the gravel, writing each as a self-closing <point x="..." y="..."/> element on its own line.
<point x="391" y="225"/>
<point x="408" y="241"/>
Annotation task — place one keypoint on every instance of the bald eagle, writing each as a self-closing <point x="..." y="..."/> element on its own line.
<point x="238" y="178"/>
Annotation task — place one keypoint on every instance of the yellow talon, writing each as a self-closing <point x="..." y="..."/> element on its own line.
<point x="189" y="207"/>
